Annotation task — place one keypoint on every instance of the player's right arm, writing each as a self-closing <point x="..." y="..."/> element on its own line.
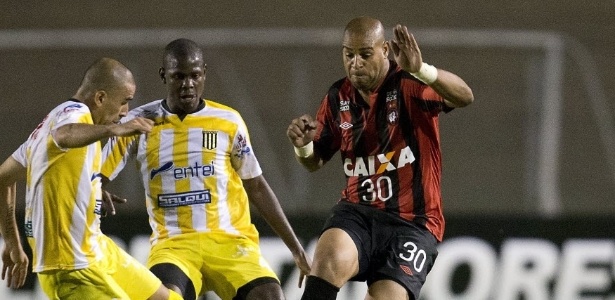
<point x="75" y="135"/>
<point x="301" y="133"/>
<point x="14" y="259"/>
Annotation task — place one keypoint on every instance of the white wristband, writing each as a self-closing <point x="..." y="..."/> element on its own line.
<point x="427" y="74"/>
<point x="305" y="151"/>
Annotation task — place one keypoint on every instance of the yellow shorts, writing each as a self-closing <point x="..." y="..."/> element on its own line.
<point x="213" y="261"/>
<point x="116" y="276"/>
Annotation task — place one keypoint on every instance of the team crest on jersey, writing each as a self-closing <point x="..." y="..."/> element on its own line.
<point x="210" y="139"/>
<point x="392" y="110"/>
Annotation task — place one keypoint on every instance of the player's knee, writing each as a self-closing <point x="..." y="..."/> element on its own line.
<point x="175" y="279"/>
<point x="335" y="245"/>
<point x="335" y="267"/>
<point x="387" y="289"/>
<point x="264" y="288"/>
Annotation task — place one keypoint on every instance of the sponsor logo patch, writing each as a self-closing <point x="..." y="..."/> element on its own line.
<point x="184" y="172"/>
<point x="241" y="148"/>
<point x="183" y="199"/>
<point x="345" y="125"/>
<point x="71" y="107"/>
<point x="344" y="105"/>
<point x="392" y="111"/>
<point x="406" y="269"/>
<point x="165" y="167"/>
<point x="378" y="164"/>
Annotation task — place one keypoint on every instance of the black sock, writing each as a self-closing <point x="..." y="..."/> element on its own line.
<point x="319" y="289"/>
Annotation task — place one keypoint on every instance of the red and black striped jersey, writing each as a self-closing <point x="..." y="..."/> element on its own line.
<point x="390" y="147"/>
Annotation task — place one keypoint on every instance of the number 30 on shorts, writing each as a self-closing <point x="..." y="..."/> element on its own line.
<point x="414" y="255"/>
<point x="379" y="189"/>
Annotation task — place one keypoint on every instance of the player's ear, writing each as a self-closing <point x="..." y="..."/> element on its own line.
<point x="385" y="48"/>
<point x="161" y="74"/>
<point x="99" y="97"/>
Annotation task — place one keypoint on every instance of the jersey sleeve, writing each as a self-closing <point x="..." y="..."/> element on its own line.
<point x="20" y="155"/>
<point x="70" y="114"/>
<point x="73" y="113"/>
<point x="427" y="98"/>
<point x="117" y="152"/>
<point x="243" y="158"/>
<point x="327" y="139"/>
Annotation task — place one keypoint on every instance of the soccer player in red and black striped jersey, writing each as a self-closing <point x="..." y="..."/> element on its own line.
<point x="383" y="119"/>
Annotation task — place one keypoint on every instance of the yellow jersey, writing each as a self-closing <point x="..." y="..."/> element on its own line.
<point x="192" y="169"/>
<point x="63" y="194"/>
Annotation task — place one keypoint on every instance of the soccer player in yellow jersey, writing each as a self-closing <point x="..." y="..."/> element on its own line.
<point x="200" y="173"/>
<point x="61" y="161"/>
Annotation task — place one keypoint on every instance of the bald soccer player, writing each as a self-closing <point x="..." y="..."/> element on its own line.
<point x="383" y="119"/>
<point x="61" y="161"/>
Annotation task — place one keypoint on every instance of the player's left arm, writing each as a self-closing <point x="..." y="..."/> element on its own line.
<point x="14" y="260"/>
<point x="75" y="135"/>
<point x="267" y="204"/>
<point x="453" y="89"/>
<point x="408" y="55"/>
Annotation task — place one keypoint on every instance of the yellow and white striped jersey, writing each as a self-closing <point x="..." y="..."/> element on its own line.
<point x="191" y="169"/>
<point x="63" y="192"/>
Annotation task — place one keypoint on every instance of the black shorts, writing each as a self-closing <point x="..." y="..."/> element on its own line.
<point x="389" y="247"/>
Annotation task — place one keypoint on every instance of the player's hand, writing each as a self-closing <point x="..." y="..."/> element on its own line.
<point x="304" y="264"/>
<point x="14" y="266"/>
<point x="405" y="50"/>
<point x="108" y="200"/>
<point x="301" y="130"/>
<point x="137" y="125"/>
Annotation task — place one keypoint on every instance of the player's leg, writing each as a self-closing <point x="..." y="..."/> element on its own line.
<point x="130" y="275"/>
<point x="164" y="293"/>
<point x="175" y="262"/>
<point x="342" y="253"/>
<point x="174" y="279"/>
<point x="235" y="269"/>
<point x="335" y="262"/>
<point x="406" y="253"/>
<point x="336" y="257"/>
<point x="90" y="283"/>
<point x="387" y="289"/>
<point x="141" y="283"/>
<point x="264" y="288"/>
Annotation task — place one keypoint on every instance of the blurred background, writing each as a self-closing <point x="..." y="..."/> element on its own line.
<point x="535" y="148"/>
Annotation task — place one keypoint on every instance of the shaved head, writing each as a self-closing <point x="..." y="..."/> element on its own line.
<point x="105" y="74"/>
<point x="181" y="48"/>
<point x="367" y="29"/>
<point x="106" y="88"/>
<point x="365" y="52"/>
